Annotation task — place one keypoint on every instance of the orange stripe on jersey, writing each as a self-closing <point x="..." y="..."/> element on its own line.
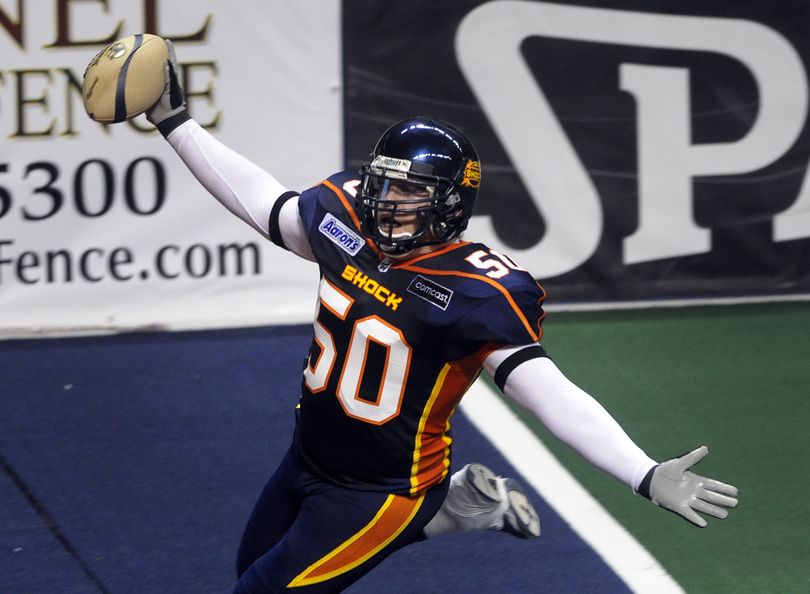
<point x="350" y="210"/>
<point x="418" y="446"/>
<point x="391" y="519"/>
<point x="529" y="328"/>
<point x="543" y="315"/>
<point x="346" y="204"/>
<point x="431" y="456"/>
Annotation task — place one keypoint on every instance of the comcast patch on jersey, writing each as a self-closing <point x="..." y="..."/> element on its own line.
<point x="429" y="291"/>
<point x="340" y="235"/>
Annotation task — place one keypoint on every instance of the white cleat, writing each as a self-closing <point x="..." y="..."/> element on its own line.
<point x="516" y="512"/>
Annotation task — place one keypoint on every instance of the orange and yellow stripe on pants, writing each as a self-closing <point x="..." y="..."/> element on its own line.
<point x="391" y="519"/>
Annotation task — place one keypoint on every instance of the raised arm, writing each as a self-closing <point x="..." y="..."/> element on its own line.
<point x="244" y="188"/>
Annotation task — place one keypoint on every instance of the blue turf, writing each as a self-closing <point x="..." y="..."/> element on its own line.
<point x="146" y="451"/>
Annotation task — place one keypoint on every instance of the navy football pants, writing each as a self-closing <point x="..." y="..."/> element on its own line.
<point x="309" y="535"/>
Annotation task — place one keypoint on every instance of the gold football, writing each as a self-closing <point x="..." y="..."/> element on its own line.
<point x="125" y="78"/>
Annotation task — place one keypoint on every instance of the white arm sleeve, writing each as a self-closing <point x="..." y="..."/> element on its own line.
<point x="245" y="189"/>
<point x="573" y="416"/>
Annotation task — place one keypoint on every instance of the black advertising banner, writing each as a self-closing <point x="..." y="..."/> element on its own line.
<point x="630" y="150"/>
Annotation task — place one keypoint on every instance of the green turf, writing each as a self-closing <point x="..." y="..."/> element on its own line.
<point x="736" y="378"/>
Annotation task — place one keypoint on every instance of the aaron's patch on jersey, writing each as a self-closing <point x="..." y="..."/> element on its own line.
<point x="346" y="239"/>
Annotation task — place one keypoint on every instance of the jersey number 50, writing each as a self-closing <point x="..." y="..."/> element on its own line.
<point x="386" y="405"/>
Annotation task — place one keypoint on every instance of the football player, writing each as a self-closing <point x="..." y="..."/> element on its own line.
<point x="409" y="315"/>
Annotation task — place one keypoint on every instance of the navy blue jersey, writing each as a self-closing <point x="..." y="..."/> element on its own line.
<point x="397" y="344"/>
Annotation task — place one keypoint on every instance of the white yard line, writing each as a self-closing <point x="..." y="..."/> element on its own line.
<point x="540" y="469"/>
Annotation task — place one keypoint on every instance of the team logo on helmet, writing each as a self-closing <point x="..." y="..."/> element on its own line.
<point x="472" y="174"/>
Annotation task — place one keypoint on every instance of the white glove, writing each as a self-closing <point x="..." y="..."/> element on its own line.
<point x="671" y="486"/>
<point x="170" y="110"/>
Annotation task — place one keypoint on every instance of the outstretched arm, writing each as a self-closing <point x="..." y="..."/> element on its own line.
<point x="245" y="189"/>
<point x="532" y="380"/>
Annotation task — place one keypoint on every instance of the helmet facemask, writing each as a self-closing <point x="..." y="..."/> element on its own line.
<point x="403" y="206"/>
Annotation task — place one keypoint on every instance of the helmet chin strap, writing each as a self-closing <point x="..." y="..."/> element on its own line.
<point x="393" y="238"/>
<point x="428" y="247"/>
<point x="395" y="256"/>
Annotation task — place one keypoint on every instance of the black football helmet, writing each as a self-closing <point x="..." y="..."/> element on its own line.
<point x="423" y="171"/>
